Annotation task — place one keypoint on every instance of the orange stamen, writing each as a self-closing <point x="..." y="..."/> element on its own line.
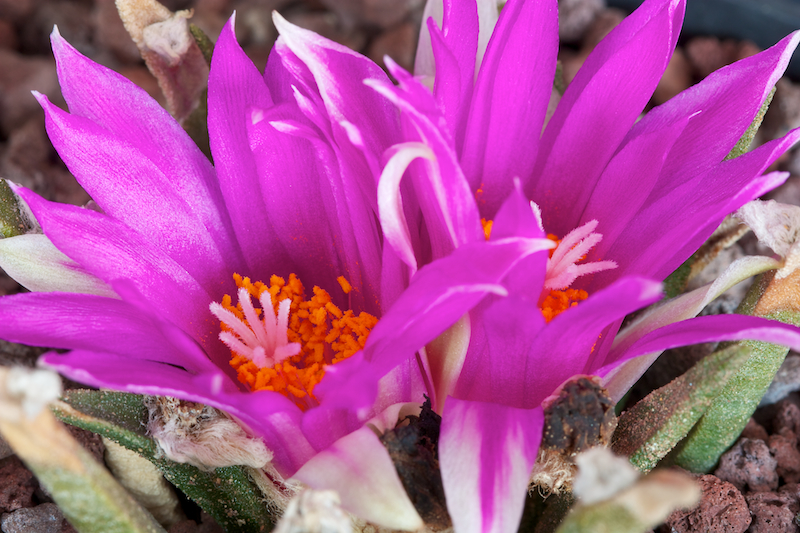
<point x="325" y="333"/>
<point x="557" y="302"/>
<point x="487" y="227"/>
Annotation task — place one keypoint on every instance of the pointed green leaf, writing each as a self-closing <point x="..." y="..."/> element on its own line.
<point x="228" y="494"/>
<point x="652" y="427"/>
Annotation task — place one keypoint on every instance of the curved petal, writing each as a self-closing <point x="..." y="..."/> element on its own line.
<point x="725" y="103"/>
<point x="455" y="48"/>
<point x="110" y="250"/>
<point x="619" y="380"/>
<point x="129" y="187"/>
<point x="441" y="293"/>
<point x="486" y="453"/>
<point x="510" y="100"/>
<point x="625" y="185"/>
<point x="117" y="105"/>
<point x="607" y="95"/>
<point x="712" y="328"/>
<point x="695" y="210"/>
<point x="36" y="264"/>
<point x="360" y="470"/>
<point x="234" y="87"/>
<point x="519" y="217"/>
<point x="447" y="202"/>
<point x="298" y="176"/>
<point x="538" y="358"/>
<point x="339" y="73"/>
<point x="84" y="322"/>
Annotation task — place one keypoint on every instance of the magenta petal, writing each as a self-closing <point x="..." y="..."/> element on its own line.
<point x="447" y="203"/>
<point x="605" y="98"/>
<point x="234" y="87"/>
<point x="84" y="322"/>
<point x="720" y="109"/>
<point x="455" y="47"/>
<point x="516" y="217"/>
<point x="441" y="293"/>
<point x="486" y="454"/>
<point x="510" y="100"/>
<point x="110" y="250"/>
<point x="298" y="178"/>
<point x="712" y="328"/>
<point x="695" y="208"/>
<point x="339" y="74"/>
<point x="117" y="105"/>
<point x="624" y="187"/>
<point x="526" y="372"/>
<point x="127" y="185"/>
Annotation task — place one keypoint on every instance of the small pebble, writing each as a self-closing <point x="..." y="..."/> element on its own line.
<point x="44" y="518"/>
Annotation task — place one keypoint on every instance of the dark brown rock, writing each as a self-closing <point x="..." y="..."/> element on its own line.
<point x="785" y="452"/>
<point x="754" y="430"/>
<point x="329" y="26"/>
<point x="30" y="160"/>
<point x="18" y="486"/>
<point x="16" y="10"/>
<point x="722" y="509"/>
<point x="749" y="466"/>
<point x="399" y="43"/>
<point x="373" y="12"/>
<point x="110" y="33"/>
<point x="677" y="78"/>
<point x="708" y="54"/>
<point x="44" y="518"/>
<point x="771" y="513"/>
<point x="575" y="16"/>
<point x="787" y="417"/>
<point x="91" y="441"/>
<point x="19" y="75"/>
<point x="8" y="35"/>
<point x="73" y="19"/>
<point x="606" y="20"/>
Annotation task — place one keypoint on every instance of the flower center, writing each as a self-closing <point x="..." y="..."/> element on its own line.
<point x="563" y="267"/>
<point x="288" y="349"/>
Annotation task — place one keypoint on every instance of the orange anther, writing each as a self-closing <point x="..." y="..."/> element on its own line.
<point x="326" y="334"/>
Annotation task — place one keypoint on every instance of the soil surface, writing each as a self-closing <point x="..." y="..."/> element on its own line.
<point x="757" y="485"/>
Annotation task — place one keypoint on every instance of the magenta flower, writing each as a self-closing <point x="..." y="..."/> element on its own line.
<point x="630" y="202"/>
<point x="136" y="289"/>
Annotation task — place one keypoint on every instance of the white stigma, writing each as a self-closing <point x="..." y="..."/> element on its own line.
<point x="562" y="269"/>
<point x="264" y="342"/>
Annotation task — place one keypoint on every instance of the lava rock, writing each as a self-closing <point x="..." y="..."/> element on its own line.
<point x="399" y="43"/>
<point x="787" y="417"/>
<point x="722" y="509"/>
<point x="754" y="430"/>
<point x="18" y="485"/>
<point x="771" y="512"/>
<point x="44" y="518"/>
<point x="783" y="448"/>
<point x="749" y="465"/>
<point x="575" y="16"/>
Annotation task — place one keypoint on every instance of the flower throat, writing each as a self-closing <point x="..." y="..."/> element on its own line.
<point x="563" y="267"/>
<point x="285" y="345"/>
